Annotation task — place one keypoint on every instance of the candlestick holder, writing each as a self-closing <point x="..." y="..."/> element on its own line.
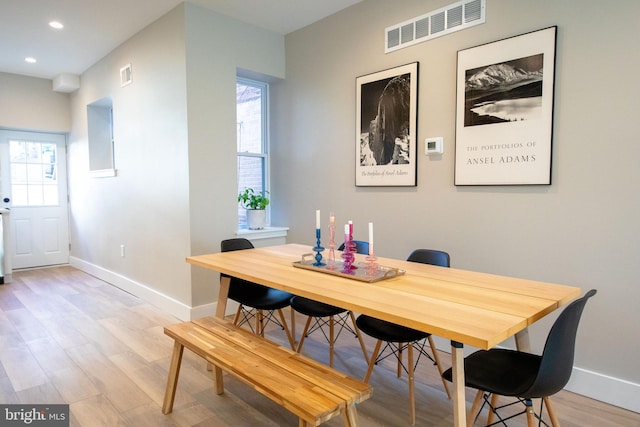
<point x="348" y="253"/>
<point x="331" y="263"/>
<point x="372" y="265"/>
<point x="318" y="249"/>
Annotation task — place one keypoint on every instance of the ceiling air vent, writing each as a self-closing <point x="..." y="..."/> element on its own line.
<point x="454" y="17"/>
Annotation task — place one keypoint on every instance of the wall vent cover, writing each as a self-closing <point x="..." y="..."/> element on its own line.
<point x="125" y="75"/>
<point x="454" y="17"/>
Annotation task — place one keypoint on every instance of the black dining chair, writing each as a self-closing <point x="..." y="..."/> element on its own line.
<point x="525" y="376"/>
<point x="256" y="302"/>
<point x="323" y="315"/>
<point x="398" y="338"/>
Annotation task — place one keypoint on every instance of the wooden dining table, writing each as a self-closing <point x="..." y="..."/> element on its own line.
<point x="466" y="307"/>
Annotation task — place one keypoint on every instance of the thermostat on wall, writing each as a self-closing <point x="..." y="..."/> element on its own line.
<point x="433" y="145"/>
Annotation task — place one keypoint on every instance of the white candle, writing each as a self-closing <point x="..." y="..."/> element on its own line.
<point x="317" y="219"/>
<point x="332" y="218"/>
<point x="370" y="234"/>
<point x="346" y="229"/>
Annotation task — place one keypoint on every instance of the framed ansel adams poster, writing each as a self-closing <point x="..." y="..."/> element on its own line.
<point x="504" y="111"/>
<point x="386" y="117"/>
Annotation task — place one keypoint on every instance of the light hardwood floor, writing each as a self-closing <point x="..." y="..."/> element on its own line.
<point x="67" y="337"/>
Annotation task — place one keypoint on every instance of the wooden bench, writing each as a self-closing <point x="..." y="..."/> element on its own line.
<point x="309" y="389"/>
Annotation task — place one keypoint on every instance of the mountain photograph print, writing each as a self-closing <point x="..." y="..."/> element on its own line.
<point x="386" y="117"/>
<point x="504" y="111"/>
<point x="505" y="92"/>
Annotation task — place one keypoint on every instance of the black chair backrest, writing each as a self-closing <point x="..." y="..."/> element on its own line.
<point x="557" y="356"/>
<point x="361" y="247"/>
<point x="239" y="289"/>
<point x="235" y="244"/>
<point x="430" y="256"/>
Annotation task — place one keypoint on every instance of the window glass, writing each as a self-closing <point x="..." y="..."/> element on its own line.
<point x="100" y="135"/>
<point x="252" y="141"/>
<point x="33" y="173"/>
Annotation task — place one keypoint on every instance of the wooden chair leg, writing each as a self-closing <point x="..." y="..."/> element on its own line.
<point x="372" y="361"/>
<point x="434" y="351"/>
<point x="286" y="330"/>
<point x="412" y="394"/>
<point x="304" y="333"/>
<point x="555" y="422"/>
<point x="237" y="316"/>
<point x="531" y="418"/>
<point x="172" y="380"/>
<point x="399" y="373"/>
<point x="293" y="323"/>
<point x="331" y="339"/>
<point x="259" y="323"/>
<point x="355" y="328"/>
<point x="494" y="403"/>
<point x="473" y="413"/>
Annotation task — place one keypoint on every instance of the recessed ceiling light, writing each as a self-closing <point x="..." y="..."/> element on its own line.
<point x="30" y="59"/>
<point x="57" y="25"/>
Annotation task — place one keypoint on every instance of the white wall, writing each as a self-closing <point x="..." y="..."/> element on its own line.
<point x="146" y="206"/>
<point x="175" y="155"/>
<point x="29" y="103"/>
<point x="583" y="230"/>
<point x="217" y="47"/>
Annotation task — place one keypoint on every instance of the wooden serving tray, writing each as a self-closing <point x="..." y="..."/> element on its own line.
<point x="361" y="272"/>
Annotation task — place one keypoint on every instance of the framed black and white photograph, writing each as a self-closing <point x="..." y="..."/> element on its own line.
<point x="386" y="127"/>
<point x="504" y="111"/>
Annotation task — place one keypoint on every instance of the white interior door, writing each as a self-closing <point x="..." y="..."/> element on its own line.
<point x="34" y="188"/>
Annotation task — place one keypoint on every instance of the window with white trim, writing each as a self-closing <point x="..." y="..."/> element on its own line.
<point x="252" y="130"/>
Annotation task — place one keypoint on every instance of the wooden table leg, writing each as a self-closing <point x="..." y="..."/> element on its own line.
<point x="172" y="381"/>
<point x="459" y="401"/>
<point x="221" y="307"/>
<point x="522" y="341"/>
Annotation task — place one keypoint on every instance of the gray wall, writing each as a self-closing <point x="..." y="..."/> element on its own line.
<point x="583" y="230"/>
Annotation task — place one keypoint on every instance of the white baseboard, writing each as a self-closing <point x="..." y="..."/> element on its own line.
<point x="144" y="292"/>
<point x="604" y="388"/>
<point x="614" y="391"/>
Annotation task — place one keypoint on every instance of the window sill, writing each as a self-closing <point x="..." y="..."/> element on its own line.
<point x="265" y="233"/>
<point x="102" y="173"/>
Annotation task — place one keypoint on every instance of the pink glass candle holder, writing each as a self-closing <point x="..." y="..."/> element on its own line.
<point x="372" y="264"/>
<point x="331" y="262"/>
<point x="348" y="254"/>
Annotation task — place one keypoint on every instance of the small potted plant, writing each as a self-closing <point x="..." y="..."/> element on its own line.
<point x="255" y="203"/>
